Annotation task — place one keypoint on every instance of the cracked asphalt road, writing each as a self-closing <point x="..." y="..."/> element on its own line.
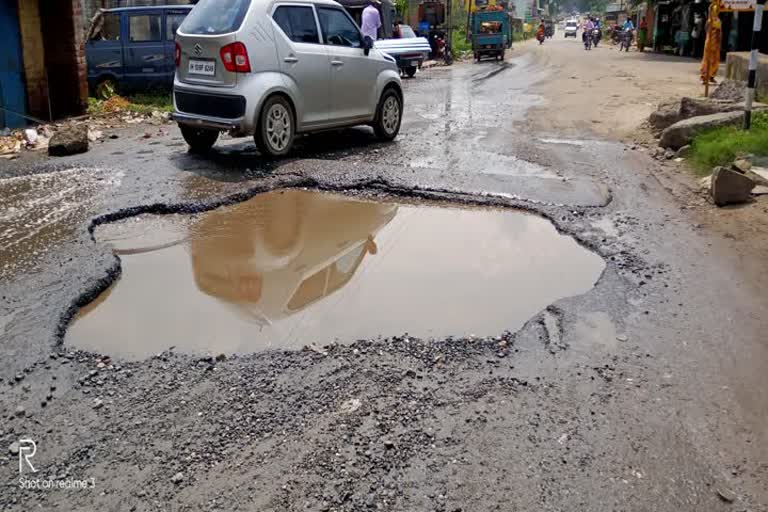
<point x="645" y="393"/>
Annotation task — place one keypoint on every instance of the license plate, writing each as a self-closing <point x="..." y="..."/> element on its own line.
<point x="414" y="63"/>
<point x="202" y="67"/>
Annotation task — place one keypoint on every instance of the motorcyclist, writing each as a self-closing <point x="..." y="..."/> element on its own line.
<point x="599" y="27"/>
<point x="587" y="29"/>
<point x="627" y="30"/>
<point x="541" y="33"/>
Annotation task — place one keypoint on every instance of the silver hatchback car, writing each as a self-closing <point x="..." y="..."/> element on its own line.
<point x="277" y="68"/>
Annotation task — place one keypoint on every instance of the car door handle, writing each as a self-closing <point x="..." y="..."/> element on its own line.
<point x="337" y="63"/>
<point x="291" y="59"/>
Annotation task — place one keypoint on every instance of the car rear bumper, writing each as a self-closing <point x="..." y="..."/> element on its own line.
<point x="208" y="109"/>
<point x="208" y="122"/>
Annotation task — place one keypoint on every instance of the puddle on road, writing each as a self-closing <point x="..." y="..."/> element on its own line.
<point x="289" y="268"/>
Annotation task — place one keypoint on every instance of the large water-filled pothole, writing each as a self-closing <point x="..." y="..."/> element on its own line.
<point x="290" y="268"/>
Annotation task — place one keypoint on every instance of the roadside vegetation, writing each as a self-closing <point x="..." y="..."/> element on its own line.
<point x="721" y="146"/>
<point x="141" y="103"/>
<point x="459" y="44"/>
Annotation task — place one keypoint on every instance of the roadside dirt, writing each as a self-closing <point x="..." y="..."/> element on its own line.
<point x="612" y="93"/>
<point x="605" y="91"/>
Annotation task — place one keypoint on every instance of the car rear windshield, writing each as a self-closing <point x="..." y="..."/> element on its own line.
<point x="215" y="17"/>
<point x="407" y="32"/>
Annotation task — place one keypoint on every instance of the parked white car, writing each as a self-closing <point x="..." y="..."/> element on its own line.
<point x="277" y="68"/>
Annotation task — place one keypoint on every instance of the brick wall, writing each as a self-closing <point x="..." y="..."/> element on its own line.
<point x="33" y="56"/>
<point x="88" y="8"/>
<point x="63" y="41"/>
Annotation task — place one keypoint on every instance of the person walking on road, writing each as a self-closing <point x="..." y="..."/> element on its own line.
<point x="371" y="20"/>
<point x="712" y="44"/>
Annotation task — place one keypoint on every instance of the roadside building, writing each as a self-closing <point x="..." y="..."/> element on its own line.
<point x="678" y="26"/>
<point x="43" y="70"/>
<point x="615" y="14"/>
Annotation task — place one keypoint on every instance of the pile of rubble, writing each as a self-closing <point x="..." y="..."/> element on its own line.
<point x="676" y="123"/>
<point x="12" y="142"/>
<point x="73" y="136"/>
<point x="738" y="183"/>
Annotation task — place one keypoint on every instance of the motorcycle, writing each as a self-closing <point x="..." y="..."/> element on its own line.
<point x="441" y="49"/>
<point x="596" y="36"/>
<point x="587" y="38"/>
<point x="540" y="36"/>
<point x="626" y="40"/>
<point x="615" y="34"/>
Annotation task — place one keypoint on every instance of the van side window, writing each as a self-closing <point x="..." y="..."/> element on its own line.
<point x="145" y="27"/>
<point x="338" y="28"/>
<point x="172" y="22"/>
<point x="106" y="28"/>
<point x="298" y="23"/>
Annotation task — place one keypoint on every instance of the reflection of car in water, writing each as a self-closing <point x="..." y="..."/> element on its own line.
<point x="279" y="252"/>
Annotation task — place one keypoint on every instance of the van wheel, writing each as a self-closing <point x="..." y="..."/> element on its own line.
<point x="275" y="131"/>
<point x="200" y="140"/>
<point x="410" y="71"/>
<point x="389" y="115"/>
<point x="106" y="88"/>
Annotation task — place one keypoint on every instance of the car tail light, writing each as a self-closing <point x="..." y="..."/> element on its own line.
<point x="177" y="54"/>
<point x="235" y="58"/>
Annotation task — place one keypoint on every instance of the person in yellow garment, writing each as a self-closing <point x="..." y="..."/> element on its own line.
<point x="711" y="60"/>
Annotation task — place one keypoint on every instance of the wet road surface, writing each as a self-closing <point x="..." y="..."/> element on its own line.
<point x="642" y="392"/>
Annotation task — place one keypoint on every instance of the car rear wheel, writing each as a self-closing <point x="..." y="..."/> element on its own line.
<point x="276" y="130"/>
<point x="389" y="115"/>
<point x="200" y="140"/>
<point x="410" y="71"/>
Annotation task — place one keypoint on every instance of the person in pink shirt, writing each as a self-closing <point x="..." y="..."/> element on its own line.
<point x="371" y="20"/>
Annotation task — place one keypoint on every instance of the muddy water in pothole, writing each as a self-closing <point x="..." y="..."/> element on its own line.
<point x="290" y="268"/>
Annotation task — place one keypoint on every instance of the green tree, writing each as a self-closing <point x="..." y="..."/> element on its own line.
<point x="402" y="8"/>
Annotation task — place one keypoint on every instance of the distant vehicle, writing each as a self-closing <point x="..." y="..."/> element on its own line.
<point x="408" y="49"/>
<point x="571" y="28"/>
<point x="549" y="28"/>
<point x="490" y="31"/>
<point x="275" y="69"/>
<point x="132" y="48"/>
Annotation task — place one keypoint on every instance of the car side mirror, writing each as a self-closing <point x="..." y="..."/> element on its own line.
<point x="367" y="45"/>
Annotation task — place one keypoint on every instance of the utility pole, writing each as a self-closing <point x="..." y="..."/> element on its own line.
<point x="756" y="27"/>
